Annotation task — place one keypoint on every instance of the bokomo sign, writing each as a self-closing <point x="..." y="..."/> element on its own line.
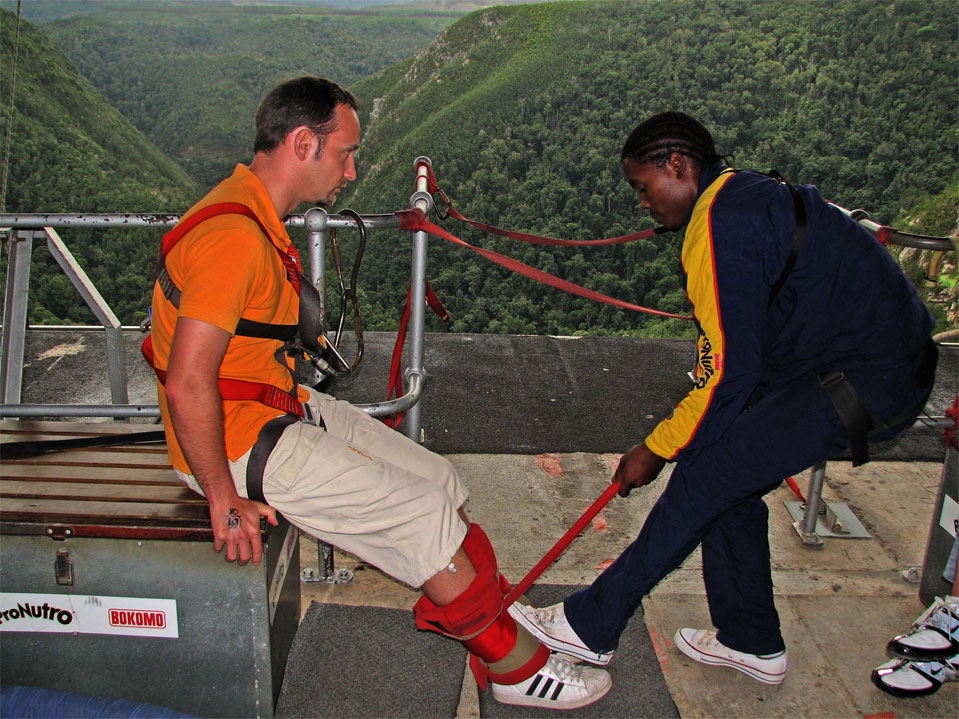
<point x="88" y="614"/>
<point x="136" y="618"/>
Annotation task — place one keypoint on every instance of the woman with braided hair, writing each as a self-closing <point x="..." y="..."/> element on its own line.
<point x="811" y="342"/>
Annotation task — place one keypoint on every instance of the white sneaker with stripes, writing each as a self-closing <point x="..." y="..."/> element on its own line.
<point x="560" y="684"/>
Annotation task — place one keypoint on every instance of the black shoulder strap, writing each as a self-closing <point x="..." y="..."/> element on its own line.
<point x="798" y="237"/>
<point x="245" y="327"/>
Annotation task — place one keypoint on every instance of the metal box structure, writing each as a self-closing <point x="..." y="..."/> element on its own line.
<point x="110" y="587"/>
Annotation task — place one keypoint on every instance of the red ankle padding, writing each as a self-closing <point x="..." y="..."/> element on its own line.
<point x="478" y="606"/>
<point x="494" y="642"/>
<point x="476" y="617"/>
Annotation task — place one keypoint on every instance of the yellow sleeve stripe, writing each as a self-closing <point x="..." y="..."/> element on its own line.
<point x="676" y="432"/>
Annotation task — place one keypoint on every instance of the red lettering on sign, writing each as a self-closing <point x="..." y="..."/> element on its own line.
<point x="137" y="618"/>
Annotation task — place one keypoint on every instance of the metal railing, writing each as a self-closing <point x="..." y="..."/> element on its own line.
<point x="22" y="229"/>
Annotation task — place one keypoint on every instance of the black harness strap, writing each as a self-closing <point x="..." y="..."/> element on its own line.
<point x="799" y="236"/>
<point x="852" y="411"/>
<point x="264" y="445"/>
<point x="265" y="442"/>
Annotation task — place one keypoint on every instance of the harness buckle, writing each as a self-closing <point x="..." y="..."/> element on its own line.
<point x="831" y="379"/>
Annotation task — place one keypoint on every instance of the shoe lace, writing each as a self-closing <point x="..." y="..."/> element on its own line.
<point x="548" y="615"/>
<point x="564" y="669"/>
<point x="708" y="639"/>
<point x="944" y="618"/>
<point x="930" y="612"/>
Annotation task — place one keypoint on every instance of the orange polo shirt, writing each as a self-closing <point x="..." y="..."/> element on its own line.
<point x="227" y="269"/>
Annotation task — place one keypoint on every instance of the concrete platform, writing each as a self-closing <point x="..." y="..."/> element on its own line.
<point x="839" y="604"/>
<point x="535" y="425"/>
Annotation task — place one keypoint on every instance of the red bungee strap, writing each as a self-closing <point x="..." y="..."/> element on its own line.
<point x="561" y="545"/>
<point x="540" y="240"/>
<point x="414" y="220"/>
<point x="396" y="377"/>
<point x="882" y="234"/>
<point x="526" y="237"/>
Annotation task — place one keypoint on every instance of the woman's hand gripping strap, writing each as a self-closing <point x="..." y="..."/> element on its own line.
<point x="501" y="650"/>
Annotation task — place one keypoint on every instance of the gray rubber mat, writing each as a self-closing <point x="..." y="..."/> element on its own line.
<point x="639" y="689"/>
<point x="369" y="662"/>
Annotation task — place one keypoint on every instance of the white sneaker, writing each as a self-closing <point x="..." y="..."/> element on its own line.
<point x="904" y="678"/>
<point x="560" y="684"/>
<point x="934" y="635"/>
<point x="702" y="645"/>
<point x="549" y="625"/>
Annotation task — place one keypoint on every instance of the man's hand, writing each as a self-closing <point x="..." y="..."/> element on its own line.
<point x="638" y="467"/>
<point x="236" y="525"/>
<point x="196" y="409"/>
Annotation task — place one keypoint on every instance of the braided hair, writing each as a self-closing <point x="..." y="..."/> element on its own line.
<point x="654" y="140"/>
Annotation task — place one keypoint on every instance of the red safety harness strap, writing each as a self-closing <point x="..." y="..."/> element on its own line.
<point x="290" y="257"/>
<point x="415" y="220"/>
<point x="396" y="376"/>
<point x="232" y="389"/>
<point x="237" y="389"/>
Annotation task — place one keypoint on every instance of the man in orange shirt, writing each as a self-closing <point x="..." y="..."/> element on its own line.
<point x="336" y="473"/>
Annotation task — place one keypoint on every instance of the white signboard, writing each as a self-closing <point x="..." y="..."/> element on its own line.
<point x="949" y="516"/>
<point x="86" y="614"/>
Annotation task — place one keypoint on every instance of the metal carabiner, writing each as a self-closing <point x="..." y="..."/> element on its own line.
<point x="444" y="213"/>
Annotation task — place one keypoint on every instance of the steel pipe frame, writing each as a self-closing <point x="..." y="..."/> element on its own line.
<point x="15" y="317"/>
<point x="905" y="239"/>
<point x="316" y="221"/>
<point x="421" y="200"/>
<point x="37" y="221"/>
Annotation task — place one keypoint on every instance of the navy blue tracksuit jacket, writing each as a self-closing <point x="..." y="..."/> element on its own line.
<point x="757" y="413"/>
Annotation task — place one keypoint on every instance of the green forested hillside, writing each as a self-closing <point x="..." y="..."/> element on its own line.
<point x="191" y="76"/>
<point x="523" y="111"/>
<point x="70" y="151"/>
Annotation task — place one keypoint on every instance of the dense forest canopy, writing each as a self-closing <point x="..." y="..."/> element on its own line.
<point x="523" y="111"/>
<point x="191" y="77"/>
<point x="71" y="151"/>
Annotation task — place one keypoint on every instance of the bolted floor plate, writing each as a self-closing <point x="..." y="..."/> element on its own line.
<point x="838" y="522"/>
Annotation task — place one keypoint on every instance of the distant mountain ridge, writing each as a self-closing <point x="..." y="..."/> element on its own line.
<point x="523" y="110"/>
<point x="70" y="151"/>
<point x="61" y="124"/>
<point x="191" y="76"/>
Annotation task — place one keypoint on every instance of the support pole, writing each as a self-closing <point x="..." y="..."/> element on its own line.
<point x="15" y="316"/>
<point x="316" y="220"/>
<point x="807" y="529"/>
<point x="116" y="366"/>
<point x="421" y="200"/>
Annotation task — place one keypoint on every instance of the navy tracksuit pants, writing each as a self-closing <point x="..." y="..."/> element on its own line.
<point x="714" y="498"/>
